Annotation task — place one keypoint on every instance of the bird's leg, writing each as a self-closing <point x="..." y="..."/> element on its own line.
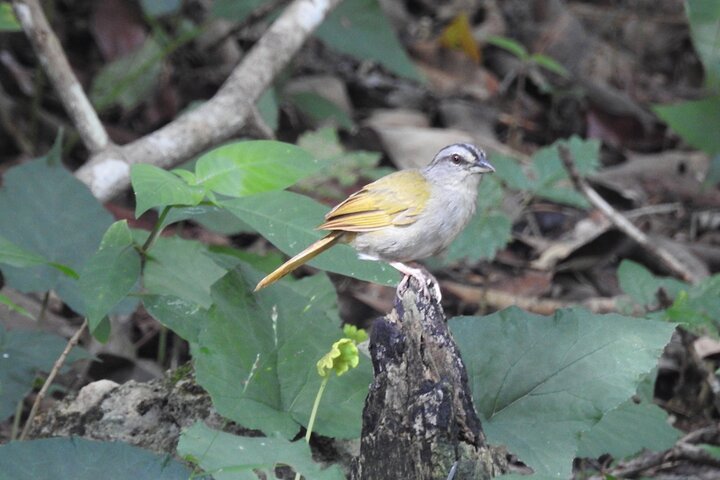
<point x="421" y="275"/>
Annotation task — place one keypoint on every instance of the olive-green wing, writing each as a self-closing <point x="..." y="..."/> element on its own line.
<point x="393" y="200"/>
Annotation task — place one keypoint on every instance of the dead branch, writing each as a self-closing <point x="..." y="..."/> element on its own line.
<point x="622" y="223"/>
<point x="108" y="171"/>
<point x="53" y="60"/>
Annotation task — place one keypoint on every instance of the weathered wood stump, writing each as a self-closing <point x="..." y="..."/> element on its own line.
<point x="419" y="421"/>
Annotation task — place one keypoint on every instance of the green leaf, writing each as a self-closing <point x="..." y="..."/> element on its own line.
<point x="549" y="169"/>
<point x="110" y="274"/>
<point x="8" y="22"/>
<point x="128" y="80"/>
<point x="542" y="381"/>
<point x="481" y="239"/>
<point x="183" y="317"/>
<point x="232" y="457"/>
<point x="642" y="286"/>
<point x="704" y="19"/>
<point x="360" y="28"/>
<point x="155" y="187"/>
<point x="256" y="357"/>
<point x="697" y="308"/>
<point x="22" y="355"/>
<point x="11" y="254"/>
<point x="245" y="168"/>
<point x="267" y="105"/>
<point x="713" y="173"/>
<point x="696" y="121"/>
<point x="288" y="220"/>
<point x="44" y="208"/>
<point x="13" y="307"/>
<point x="509" y="45"/>
<point x="209" y="216"/>
<point x="627" y="430"/>
<point x="549" y="63"/>
<point x="159" y="8"/>
<point x="488" y="231"/>
<point x="321" y="110"/>
<point x="82" y="459"/>
<point x="181" y="268"/>
<point x="511" y="172"/>
<point x="233" y="10"/>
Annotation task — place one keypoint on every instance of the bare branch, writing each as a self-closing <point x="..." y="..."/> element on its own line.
<point x="622" y="223"/>
<point x="53" y="60"/>
<point x="218" y="119"/>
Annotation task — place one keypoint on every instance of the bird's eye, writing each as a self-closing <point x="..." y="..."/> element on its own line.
<point x="455" y="159"/>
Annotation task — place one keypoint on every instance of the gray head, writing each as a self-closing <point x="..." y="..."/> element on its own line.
<point x="460" y="158"/>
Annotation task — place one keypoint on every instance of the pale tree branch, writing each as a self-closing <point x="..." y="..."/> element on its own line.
<point x="218" y="119"/>
<point x="53" y="60"/>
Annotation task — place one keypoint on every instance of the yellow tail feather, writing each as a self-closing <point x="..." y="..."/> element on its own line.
<point x="301" y="258"/>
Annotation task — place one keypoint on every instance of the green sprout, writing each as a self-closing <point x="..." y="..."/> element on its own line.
<point x="343" y="356"/>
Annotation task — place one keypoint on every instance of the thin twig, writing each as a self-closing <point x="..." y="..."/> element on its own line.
<point x="52" y="57"/>
<point x="622" y="223"/>
<point x="51" y="377"/>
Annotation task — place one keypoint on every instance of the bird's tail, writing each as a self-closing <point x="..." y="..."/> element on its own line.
<point x="301" y="258"/>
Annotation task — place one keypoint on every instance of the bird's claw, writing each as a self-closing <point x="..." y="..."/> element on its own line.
<point x="424" y="278"/>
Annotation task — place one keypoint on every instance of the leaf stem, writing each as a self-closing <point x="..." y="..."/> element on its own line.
<point x="156" y="231"/>
<point x="319" y="395"/>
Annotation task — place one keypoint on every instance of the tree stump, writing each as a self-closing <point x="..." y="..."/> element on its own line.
<point x="419" y="421"/>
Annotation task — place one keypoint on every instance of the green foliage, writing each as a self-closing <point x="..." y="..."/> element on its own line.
<point x="14" y="307"/>
<point x="704" y="19"/>
<point x="110" y="274"/>
<point x="288" y="220"/>
<point x="128" y="81"/>
<point x="642" y="286"/>
<point x="155" y="187"/>
<point x="542" y="381"/>
<point x="341" y="169"/>
<point x="8" y="22"/>
<point x="81" y="459"/>
<point x="488" y="231"/>
<point x="246" y="168"/>
<point x="22" y="355"/>
<point x="320" y="110"/>
<point x="256" y="357"/>
<point x="696" y="121"/>
<point x="181" y="268"/>
<point x="695" y="307"/>
<point x="159" y="8"/>
<point x="48" y="212"/>
<point x="234" y="10"/>
<point x="360" y="28"/>
<point x="231" y="457"/>
<point x="518" y="50"/>
<point x="636" y="424"/>
<point x="184" y="317"/>
<point x="16" y="256"/>
<point x="546" y="175"/>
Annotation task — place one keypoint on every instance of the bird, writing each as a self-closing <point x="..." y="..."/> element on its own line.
<point x="405" y="216"/>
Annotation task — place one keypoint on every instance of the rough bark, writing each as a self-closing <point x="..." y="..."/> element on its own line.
<point x="419" y="421"/>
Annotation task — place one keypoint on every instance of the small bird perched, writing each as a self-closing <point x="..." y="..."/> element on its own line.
<point x="407" y="215"/>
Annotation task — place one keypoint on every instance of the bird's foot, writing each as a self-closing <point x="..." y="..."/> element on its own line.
<point x="424" y="278"/>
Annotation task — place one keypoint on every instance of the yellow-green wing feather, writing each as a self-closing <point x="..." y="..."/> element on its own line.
<point x="393" y="200"/>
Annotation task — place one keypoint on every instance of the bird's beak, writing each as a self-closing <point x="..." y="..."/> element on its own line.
<point x="483" y="166"/>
